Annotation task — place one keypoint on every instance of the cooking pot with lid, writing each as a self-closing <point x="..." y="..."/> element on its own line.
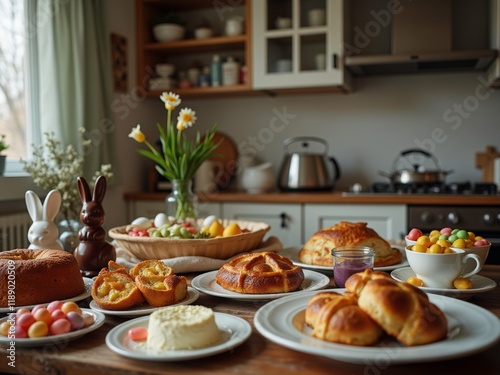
<point x="304" y="170"/>
<point x="408" y="170"/>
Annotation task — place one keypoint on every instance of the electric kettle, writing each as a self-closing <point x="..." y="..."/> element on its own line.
<point x="304" y="170"/>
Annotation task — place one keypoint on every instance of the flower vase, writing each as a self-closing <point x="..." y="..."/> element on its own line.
<point x="181" y="203"/>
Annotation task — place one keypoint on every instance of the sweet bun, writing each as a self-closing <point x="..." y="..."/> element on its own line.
<point x="317" y="250"/>
<point x="402" y="310"/>
<point x="150" y="267"/>
<point x="114" y="290"/>
<point x="162" y="290"/>
<point x="337" y="318"/>
<point x="260" y="273"/>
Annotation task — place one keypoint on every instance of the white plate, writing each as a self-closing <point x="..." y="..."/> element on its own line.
<point x="471" y="329"/>
<point x="86" y="293"/>
<point x="292" y="253"/>
<point x="480" y="284"/>
<point x="206" y="283"/>
<point x="234" y="330"/>
<point x="57" y="339"/>
<point x="145" y="309"/>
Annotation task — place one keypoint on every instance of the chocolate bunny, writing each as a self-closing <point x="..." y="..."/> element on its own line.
<point x="93" y="252"/>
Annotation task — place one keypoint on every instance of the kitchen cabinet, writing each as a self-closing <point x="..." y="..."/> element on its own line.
<point x="388" y="220"/>
<point x="493" y="74"/>
<point x="285" y="219"/>
<point x="297" y="44"/>
<point x="150" y="208"/>
<point x="189" y="51"/>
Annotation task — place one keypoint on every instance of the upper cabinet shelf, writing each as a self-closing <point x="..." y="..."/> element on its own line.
<point x="192" y="56"/>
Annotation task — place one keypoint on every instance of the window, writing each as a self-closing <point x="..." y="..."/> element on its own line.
<point x="13" y="67"/>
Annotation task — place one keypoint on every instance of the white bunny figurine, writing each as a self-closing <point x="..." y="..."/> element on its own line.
<point x="43" y="233"/>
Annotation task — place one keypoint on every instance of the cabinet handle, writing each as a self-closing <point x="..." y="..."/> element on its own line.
<point x="284" y="218"/>
<point x="334" y="61"/>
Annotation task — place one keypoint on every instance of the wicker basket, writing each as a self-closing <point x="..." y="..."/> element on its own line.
<point x="218" y="248"/>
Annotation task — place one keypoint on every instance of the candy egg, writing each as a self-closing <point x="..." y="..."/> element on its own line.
<point x="20" y="332"/>
<point x="70" y="306"/>
<point x="60" y="327"/>
<point x="142" y="222"/>
<point x="209" y="220"/>
<point x="22" y="311"/>
<point x="42" y="314"/>
<point x="34" y="309"/>
<point x="54" y="305"/>
<point x="138" y="333"/>
<point x="88" y="319"/>
<point x="25" y="321"/>
<point x="414" y="234"/>
<point x="76" y="320"/>
<point x="160" y="219"/>
<point x="4" y="328"/>
<point x="38" y="329"/>
<point x="57" y="314"/>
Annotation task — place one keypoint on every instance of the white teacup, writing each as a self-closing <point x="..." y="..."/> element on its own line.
<point x="440" y="270"/>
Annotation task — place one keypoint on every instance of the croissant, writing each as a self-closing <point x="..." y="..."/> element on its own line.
<point x="337" y="318"/>
<point x="402" y="310"/>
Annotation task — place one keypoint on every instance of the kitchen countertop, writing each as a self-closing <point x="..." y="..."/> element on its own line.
<point x="333" y="197"/>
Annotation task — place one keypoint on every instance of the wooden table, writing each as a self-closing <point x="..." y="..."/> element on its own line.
<point x="90" y="355"/>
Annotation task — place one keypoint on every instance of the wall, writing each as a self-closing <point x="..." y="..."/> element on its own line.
<point x="453" y="114"/>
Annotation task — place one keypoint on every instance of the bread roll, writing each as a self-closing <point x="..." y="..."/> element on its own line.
<point x="402" y="310"/>
<point x="337" y="318"/>
<point x="317" y="250"/>
<point x="260" y="273"/>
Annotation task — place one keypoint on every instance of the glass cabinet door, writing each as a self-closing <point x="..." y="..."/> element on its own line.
<point x="297" y="43"/>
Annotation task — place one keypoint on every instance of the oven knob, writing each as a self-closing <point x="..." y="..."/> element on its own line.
<point x="453" y="218"/>
<point x="426" y="217"/>
<point x="488" y="219"/>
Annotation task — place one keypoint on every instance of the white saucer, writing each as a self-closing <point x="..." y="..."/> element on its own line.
<point x="56" y="339"/>
<point x="292" y="253"/>
<point x="86" y="293"/>
<point x="144" y="309"/>
<point x="471" y="329"/>
<point x="206" y="283"/>
<point x="234" y="331"/>
<point x="480" y="284"/>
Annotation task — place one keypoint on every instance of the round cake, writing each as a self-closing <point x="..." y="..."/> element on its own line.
<point x="182" y="327"/>
<point x="31" y="277"/>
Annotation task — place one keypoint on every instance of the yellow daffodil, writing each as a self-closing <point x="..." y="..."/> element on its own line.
<point x="187" y="117"/>
<point x="170" y="99"/>
<point x="137" y="134"/>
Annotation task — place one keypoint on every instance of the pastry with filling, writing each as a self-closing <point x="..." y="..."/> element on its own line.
<point x="116" y="291"/>
<point x="150" y="267"/>
<point x="162" y="290"/>
<point x="182" y="327"/>
<point x="317" y="250"/>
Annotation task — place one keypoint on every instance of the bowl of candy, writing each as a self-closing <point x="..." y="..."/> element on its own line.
<point x="453" y="238"/>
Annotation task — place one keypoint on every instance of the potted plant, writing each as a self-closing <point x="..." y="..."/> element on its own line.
<point x="169" y="27"/>
<point x="3" y="146"/>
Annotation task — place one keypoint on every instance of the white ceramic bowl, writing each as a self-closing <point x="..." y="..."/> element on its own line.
<point x="203" y="32"/>
<point x="482" y="251"/>
<point x="165" y="70"/>
<point x="167" y="32"/>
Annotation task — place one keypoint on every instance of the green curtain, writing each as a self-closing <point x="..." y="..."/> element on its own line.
<point x="74" y="75"/>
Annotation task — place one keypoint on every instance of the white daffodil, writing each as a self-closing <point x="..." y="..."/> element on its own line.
<point x="186" y="118"/>
<point x="137" y="134"/>
<point x="170" y="99"/>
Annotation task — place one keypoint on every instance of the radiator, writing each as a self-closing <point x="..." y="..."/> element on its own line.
<point x="14" y="231"/>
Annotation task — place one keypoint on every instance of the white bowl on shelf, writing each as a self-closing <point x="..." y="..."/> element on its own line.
<point x="167" y="32"/>
<point x="203" y="32"/>
<point x="165" y="70"/>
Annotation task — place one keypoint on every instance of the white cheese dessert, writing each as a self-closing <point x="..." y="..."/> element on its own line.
<point x="182" y="327"/>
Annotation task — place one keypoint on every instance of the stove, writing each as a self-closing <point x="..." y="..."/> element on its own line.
<point x="466" y="188"/>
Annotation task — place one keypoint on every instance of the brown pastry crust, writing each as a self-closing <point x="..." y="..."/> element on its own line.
<point x="317" y="250"/>
<point x="260" y="273"/>
<point x="162" y="290"/>
<point x="402" y="310"/>
<point x="116" y="291"/>
<point x="38" y="276"/>
<point x="338" y="318"/>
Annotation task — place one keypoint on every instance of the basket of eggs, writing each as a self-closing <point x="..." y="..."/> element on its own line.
<point x="164" y="237"/>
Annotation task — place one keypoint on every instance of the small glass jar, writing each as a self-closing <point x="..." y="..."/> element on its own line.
<point x="348" y="260"/>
